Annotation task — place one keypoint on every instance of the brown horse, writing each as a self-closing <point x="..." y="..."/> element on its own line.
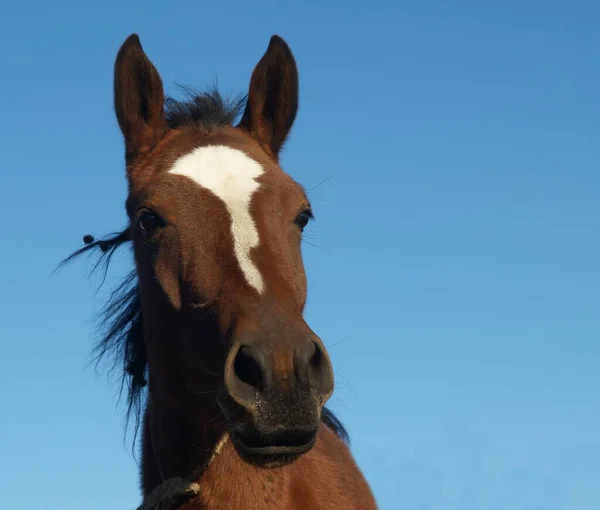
<point x="212" y="316"/>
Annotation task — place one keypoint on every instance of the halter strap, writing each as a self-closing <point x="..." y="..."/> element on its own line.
<point x="175" y="491"/>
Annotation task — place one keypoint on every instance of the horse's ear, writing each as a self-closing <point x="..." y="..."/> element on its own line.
<point x="272" y="97"/>
<point x="139" y="97"/>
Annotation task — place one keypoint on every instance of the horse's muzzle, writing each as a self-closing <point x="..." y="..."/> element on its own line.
<point x="273" y="396"/>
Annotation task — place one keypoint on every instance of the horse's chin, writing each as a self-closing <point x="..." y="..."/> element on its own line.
<point x="270" y="457"/>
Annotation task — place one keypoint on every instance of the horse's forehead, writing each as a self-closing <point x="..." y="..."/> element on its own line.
<point x="231" y="175"/>
<point x="227" y="172"/>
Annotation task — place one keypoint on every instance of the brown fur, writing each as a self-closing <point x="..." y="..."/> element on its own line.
<point x="326" y="478"/>
<point x="192" y="312"/>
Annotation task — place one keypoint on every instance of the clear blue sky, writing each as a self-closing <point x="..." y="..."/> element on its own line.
<point x="456" y="272"/>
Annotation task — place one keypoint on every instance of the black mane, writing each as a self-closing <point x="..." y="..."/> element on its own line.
<point x="205" y="110"/>
<point x="121" y="318"/>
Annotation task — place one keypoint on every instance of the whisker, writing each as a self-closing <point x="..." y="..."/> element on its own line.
<point x="336" y="402"/>
<point x="312" y="244"/>
<point x="222" y="412"/>
<point x="320" y="184"/>
<point x="204" y="369"/>
<point x="337" y="343"/>
<point x="200" y="392"/>
<point x="346" y="381"/>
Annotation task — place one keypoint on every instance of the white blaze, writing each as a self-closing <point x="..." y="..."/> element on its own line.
<point x="230" y="175"/>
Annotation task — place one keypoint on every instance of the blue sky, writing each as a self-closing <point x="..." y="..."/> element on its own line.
<point x="452" y="151"/>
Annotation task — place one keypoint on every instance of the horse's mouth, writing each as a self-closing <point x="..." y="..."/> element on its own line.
<point x="271" y="455"/>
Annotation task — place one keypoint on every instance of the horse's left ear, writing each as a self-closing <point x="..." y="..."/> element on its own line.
<point x="138" y="96"/>
<point x="272" y="97"/>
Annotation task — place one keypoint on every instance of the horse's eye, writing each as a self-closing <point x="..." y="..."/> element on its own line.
<point x="148" y="222"/>
<point x="303" y="218"/>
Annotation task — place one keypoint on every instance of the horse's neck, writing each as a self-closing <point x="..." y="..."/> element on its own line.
<point x="178" y="450"/>
<point x="212" y="476"/>
<point x="177" y="445"/>
<point x="228" y="483"/>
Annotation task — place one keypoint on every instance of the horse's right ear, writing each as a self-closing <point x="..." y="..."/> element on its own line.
<point x="139" y="98"/>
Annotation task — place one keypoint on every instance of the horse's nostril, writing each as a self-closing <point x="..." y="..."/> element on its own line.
<point x="313" y="367"/>
<point x="316" y="370"/>
<point x="249" y="367"/>
<point x="316" y="358"/>
<point x="253" y="371"/>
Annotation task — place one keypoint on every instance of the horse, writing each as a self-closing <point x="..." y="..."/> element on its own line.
<point x="224" y="375"/>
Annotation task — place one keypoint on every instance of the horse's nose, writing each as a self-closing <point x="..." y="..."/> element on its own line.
<point x="258" y="369"/>
<point x="251" y="370"/>
<point x="312" y="367"/>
